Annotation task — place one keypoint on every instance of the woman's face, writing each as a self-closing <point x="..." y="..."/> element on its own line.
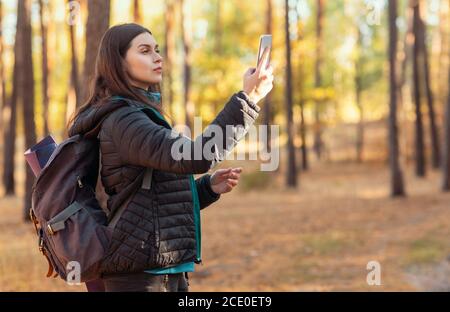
<point x="143" y="62"/>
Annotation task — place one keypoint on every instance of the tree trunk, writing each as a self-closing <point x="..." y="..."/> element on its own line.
<point x="359" y="143"/>
<point x="186" y="38"/>
<point x="45" y="98"/>
<point x="291" y="173"/>
<point x="397" y="186"/>
<point x="301" y="86"/>
<point x="435" y="153"/>
<point x="74" y="92"/>
<point x="27" y="97"/>
<point x="408" y="42"/>
<point x="137" y="16"/>
<point x="303" y="147"/>
<point x="444" y="35"/>
<point x="419" y="146"/>
<point x="360" y="128"/>
<point x="267" y="110"/>
<point x="446" y="151"/>
<point x="318" y="79"/>
<point x="96" y="26"/>
<point x="2" y="73"/>
<point x="218" y="44"/>
<point x="11" y="108"/>
<point x="169" y="52"/>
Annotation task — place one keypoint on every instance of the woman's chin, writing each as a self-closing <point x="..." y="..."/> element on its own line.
<point x="156" y="79"/>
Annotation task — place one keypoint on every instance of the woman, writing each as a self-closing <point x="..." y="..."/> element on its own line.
<point x="154" y="201"/>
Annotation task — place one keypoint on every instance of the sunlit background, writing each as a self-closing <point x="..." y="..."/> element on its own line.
<point x="330" y="208"/>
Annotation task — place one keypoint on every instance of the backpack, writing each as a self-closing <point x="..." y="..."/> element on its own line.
<point x="74" y="232"/>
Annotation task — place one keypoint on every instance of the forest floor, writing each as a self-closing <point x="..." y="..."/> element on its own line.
<point x="318" y="237"/>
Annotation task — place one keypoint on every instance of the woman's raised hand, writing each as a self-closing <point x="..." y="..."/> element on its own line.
<point x="258" y="82"/>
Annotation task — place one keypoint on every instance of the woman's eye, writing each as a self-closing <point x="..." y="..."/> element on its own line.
<point x="148" y="51"/>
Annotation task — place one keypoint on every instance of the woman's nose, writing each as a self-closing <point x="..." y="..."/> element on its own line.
<point x="159" y="59"/>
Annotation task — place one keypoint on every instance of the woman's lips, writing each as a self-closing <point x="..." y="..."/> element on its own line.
<point x="158" y="70"/>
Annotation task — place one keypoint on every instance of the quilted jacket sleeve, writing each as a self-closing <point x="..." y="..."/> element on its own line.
<point x="142" y="142"/>
<point x="206" y="195"/>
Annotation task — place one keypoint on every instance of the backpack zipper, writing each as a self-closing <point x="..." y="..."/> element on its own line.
<point x="80" y="183"/>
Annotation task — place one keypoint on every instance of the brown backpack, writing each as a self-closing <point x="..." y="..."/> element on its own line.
<point x="74" y="232"/>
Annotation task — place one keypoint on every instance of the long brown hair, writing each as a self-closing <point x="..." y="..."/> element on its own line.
<point x="110" y="77"/>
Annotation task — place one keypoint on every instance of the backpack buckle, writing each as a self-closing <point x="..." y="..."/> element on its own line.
<point x="41" y="243"/>
<point x="80" y="183"/>
<point x="50" y="229"/>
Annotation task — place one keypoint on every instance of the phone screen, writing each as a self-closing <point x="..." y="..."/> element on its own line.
<point x="265" y="41"/>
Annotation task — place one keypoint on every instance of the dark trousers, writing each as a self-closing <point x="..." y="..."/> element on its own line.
<point x="146" y="282"/>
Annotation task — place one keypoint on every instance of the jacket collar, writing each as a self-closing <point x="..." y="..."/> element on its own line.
<point x="152" y="96"/>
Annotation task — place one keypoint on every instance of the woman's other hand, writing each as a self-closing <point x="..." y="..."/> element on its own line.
<point x="258" y="82"/>
<point x="224" y="180"/>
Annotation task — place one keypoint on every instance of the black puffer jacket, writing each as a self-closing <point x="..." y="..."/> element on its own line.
<point x="155" y="227"/>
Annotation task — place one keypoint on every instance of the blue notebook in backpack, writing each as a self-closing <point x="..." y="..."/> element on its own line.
<point x="38" y="155"/>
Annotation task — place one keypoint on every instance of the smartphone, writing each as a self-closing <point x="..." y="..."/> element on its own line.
<point x="265" y="41"/>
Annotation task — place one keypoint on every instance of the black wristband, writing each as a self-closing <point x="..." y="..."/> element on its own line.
<point x="243" y="95"/>
<point x="208" y="186"/>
